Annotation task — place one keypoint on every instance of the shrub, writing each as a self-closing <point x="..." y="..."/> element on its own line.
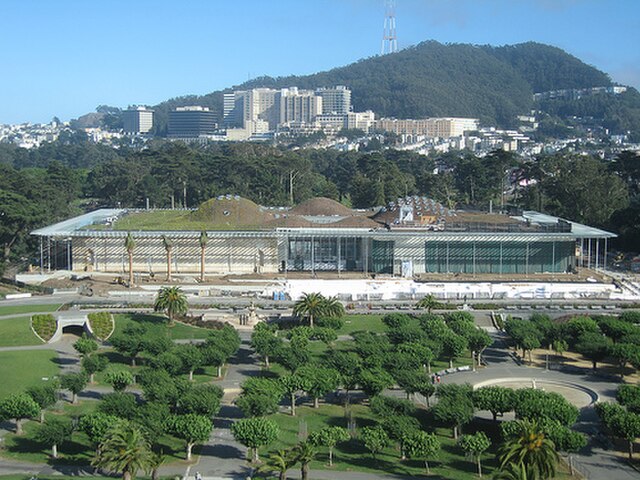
<point x="45" y="325"/>
<point x="102" y="324"/>
<point x="334" y="323"/>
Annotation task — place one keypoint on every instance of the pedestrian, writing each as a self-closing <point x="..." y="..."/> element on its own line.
<point x="198" y="476"/>
<point x="437" y="378"/>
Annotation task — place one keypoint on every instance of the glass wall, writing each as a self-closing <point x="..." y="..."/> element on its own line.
<point x="324" y="253"/>
<point x="382" y="256"/>
<point x="499" y="257"/>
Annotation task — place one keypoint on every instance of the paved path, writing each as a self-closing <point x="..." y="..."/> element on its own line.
<point x="594" y="462"/>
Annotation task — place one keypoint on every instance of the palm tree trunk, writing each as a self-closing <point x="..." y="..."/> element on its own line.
<point x="631" y="449"/>
<point x="426" y="464"/>
<point x="455" y="432"/>
<point x="126" y="475"/>
<point x="255" y="455"/>
<point x="74" y="398"/>
<point x="169" y="266"/>
<point x="331" y="456"/>
<point x="293" y="404"/>
<point x="54" y="450"/>
<point x="42" y="416"/>
<point x="19" y="426"/>
<point x="92" y="378"/>
<point x="202" y="252"/>
<point x="311" y="321"/>
<point x="189" y="447"/>
<point x="316" y="402"/>
<point x="266" y="361"/>
<point x="304" y="471"/>
<point x="282" y="475"/>
<point x="219" y="371"/>
<point x="130" y="269"/>
<point x="479" y="467"/>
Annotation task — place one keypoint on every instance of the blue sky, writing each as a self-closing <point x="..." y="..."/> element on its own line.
<point x="65" y="57"/>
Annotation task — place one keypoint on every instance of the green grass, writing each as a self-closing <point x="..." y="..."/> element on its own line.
<point x="22" y="369"/>
<point x="18" y="309"/>
<point x="370" y="323"/>
<point x="78" y="450"/>
<point x="166" y="220"/>
<point x="17" y="332"/>
<point x="353" y="456"/>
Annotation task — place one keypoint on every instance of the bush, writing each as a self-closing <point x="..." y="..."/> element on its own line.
<point x="102" y="324"/>
<point x="44" y="325"/>
<point x="631" y="316"/>
<point x="334" y="323"/>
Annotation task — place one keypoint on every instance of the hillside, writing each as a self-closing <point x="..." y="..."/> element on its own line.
<point x="432" y="79"/>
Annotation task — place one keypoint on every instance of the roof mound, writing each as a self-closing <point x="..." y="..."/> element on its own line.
<point x="231" y="210"/>
<point x="321" y="206"/>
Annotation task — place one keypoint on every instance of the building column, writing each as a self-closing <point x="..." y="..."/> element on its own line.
<point x="597" y="252"/>
<point x="589" y="258"/>
<point x="604" y="259"/>
<point x="313" y="256"/>
<point x="526" y="268"/>
<point x="49" y="254"/>
<point x="553" y="256"/>
<point x="338" y="247"/>
<point x="501" y="264"/>
<point x="41" y="257"/>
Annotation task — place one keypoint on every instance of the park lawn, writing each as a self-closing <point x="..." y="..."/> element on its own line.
<point x="16" y="332"/>
<point x="22" y="369"/>
<point x="356" y="322"/>
<point x="78" y="450"/>
<point x="353" y="456"/>
<point x="18" y="309"/>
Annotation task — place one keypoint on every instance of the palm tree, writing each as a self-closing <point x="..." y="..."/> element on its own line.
<point x="204" y="238"/>
<point x="280" y="461"/>
<point x="429" y="302"/>
<point x="529" y="451"/>
<point x="172" y="301"/>
<point x="313" y="305"/>
<point x="124" y="449"/>
<point x="168" y="246"/>
<point x="304" y="453"/>
<point x="157" y="459"/>
<point x="129" y="245"/>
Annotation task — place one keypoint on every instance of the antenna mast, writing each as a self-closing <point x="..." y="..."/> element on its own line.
<point x="389" y="38"/>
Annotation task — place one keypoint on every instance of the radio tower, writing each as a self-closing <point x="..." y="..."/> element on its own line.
<point x="389" y="39"/>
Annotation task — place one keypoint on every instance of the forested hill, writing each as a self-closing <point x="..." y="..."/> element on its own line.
<point x="432" y="79"/>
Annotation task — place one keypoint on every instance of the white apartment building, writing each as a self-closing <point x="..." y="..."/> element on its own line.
<point x="299" y="106"/>
<point x="430" y="127"/>
<point x="336" y="100"/>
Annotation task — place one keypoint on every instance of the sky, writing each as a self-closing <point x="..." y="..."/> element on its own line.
<point x="65" y="57"/>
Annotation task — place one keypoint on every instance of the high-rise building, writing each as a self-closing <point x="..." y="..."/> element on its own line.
<point x="191" y="122"/>
<point x="336" y="100"/>
<point x="233" y="109"/>
<point x="137" y="120"/>
<point x="300" y="106"/>
<point x="261" y="104"/>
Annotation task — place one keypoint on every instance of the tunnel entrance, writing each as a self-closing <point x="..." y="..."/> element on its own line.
<point x="76" y="330"/>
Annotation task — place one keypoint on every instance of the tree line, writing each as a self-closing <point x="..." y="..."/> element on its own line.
<point x="61" y="179"/>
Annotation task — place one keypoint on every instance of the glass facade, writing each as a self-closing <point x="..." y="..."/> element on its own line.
<point x="324" y="253"/>
<point x="499" y="257"/>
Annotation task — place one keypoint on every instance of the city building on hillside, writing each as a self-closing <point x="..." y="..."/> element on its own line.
<point x="137" y="120"/>
<point x="430" y="127"/>
<point x="335" y="101"/>
<point x="299" y="106"/>
<point x="191" y="122"/>
<point x="411" y="236"/>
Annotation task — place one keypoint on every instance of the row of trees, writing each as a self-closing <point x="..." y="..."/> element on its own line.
<point x="596" y="338"/>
